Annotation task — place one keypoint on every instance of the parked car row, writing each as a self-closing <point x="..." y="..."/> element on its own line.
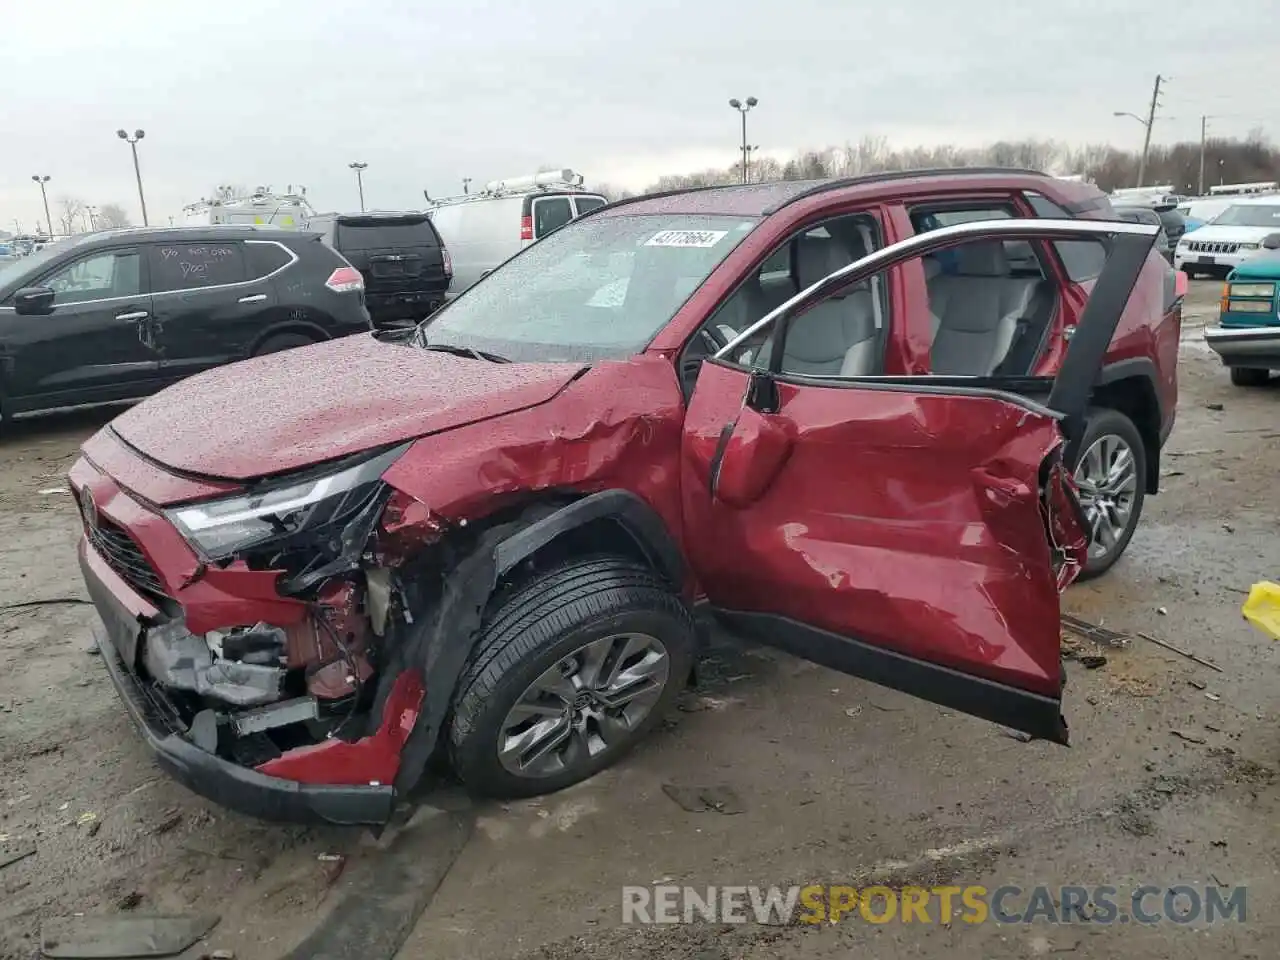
<point x="879" y="422"/>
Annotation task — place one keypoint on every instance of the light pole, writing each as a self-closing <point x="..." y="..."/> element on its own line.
<point x="45" y="196"/>
<point x="743" y="109"/>
<point x="137" y="171"/>
<point x="359" y="168"/>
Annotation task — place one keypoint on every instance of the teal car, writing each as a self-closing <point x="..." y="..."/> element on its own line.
<point x="1247" y="336"/>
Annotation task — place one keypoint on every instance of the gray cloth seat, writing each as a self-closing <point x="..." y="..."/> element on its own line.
<point x="976" y="310"/>
<point x="837" y="338"/>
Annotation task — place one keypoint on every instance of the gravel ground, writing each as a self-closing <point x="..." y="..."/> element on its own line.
<point x="834" y="780"/>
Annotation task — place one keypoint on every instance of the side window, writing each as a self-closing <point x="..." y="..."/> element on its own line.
<point x="587" y="203"/>
<point x="193" y="266"/>
<point x="991" y="303"/>
<point x="550" y="213"/>
<point x="1082" y="259"/>
<point x="103" y="275"/>
<point x="263" y="258"/>
<point x="843" y="335"/>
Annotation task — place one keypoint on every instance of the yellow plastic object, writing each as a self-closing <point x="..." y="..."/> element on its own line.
<point x="1262" y="609"/>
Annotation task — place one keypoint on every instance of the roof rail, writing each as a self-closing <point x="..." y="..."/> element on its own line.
<point x="886" y="176"/>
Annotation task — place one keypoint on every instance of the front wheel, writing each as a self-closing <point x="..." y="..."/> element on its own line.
<point x="570" y="672"/>
<point x="1110" y="474"/>
<point x="1250" y="377"/>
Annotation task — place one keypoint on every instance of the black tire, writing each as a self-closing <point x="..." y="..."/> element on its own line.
<point x="1103" y="422"/>
<point x="283" y="341"/>
<point x="1250" y="377"/>
<point x="532" y="627"/>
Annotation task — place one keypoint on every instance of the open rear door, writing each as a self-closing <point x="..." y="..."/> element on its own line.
<point x="915" y="532"/>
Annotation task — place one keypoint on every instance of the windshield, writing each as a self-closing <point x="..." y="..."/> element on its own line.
<point x="599" y="289"/>
<point x="1249" y="215"/>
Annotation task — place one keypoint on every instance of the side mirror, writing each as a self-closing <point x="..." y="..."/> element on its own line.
<point x="33" y="300"/>
<point x="1272" y="242"/>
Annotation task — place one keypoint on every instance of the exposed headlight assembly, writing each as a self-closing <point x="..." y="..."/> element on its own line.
<point x="280" y="513"/>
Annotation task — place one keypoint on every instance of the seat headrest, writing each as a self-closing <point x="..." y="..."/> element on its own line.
<point x="982" y="260"/>
<point x="818" y="257"/>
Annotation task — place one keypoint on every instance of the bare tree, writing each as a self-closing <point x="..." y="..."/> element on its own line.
<point x="112" y="216"/>
<point x="71" y="210"/>
<point x="1252" y="159"/>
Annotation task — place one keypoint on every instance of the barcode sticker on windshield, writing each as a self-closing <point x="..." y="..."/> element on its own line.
<point x="686" y="238"/>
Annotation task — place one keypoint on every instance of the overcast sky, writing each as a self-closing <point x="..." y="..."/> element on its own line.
<point x="291" y="91"/>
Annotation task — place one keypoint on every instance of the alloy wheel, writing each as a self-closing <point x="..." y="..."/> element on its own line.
<point x="587" y="703"/>
<point x="1107" y="479"/>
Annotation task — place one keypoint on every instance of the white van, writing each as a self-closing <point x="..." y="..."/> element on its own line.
<point x="482" y="230"/>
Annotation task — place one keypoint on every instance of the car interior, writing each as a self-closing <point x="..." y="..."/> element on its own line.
<point x="991" y="304"/>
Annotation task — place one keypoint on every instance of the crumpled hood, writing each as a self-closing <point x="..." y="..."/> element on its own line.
<point x="286" y="411"/>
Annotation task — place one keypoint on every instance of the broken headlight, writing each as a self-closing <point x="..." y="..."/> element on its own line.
<point x="278" y="510"/>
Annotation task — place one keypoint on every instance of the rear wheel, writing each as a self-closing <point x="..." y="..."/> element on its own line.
<point x="571" y="671"/>
<point x="1110" y="474"/>
<point x="283" y="341"/>
<point x="1250" y="376"/>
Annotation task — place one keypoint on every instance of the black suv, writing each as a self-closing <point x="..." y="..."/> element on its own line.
<point x="404" y="262"/>
<point x="112" y="317"/>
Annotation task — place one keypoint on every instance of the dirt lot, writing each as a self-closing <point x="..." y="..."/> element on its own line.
<point x="1170" y="778"/>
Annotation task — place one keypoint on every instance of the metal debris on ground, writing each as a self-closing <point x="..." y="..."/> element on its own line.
<point x="1163" y="611"/>
<point x="1189" y="738"/>
<point x="1180" y="651"/>
<point x="1092" y="663"/>
<point x="1092" y="631"/>
<point x="49" y="602"/>
<point x="852" y="712"/>
<point x="719" y="799"/>
<point x="110" y="937"/>
<point x="171" y="820"/>
<point x="1017" y="735"/>
<point x="12" y="853"/>
<point x="1196" y="684"/>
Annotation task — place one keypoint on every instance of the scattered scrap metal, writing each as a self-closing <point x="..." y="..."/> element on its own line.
<point x="1103" y="636"/>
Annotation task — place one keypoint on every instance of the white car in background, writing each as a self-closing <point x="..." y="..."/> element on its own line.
<point x="1233" y="237"/>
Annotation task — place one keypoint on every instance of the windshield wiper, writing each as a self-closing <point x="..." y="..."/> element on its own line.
<point x="458" y="351"/>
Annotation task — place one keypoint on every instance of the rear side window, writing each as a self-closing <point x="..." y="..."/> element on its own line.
<point x="1082" y="259"/>
<point x="191" y="266"/>
<point x="262" y="259"/>
<point x="373" y="234"/>
<point x="550" y="213"/>
<point x="587" y="203"/>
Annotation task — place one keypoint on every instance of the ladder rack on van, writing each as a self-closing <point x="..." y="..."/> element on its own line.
<point x="551" y="181"/>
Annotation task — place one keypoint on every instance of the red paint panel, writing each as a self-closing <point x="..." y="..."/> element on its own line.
<point x="618" y="427"/>
<point x="285" y="411"/>
<point x="371" y="759"/>
<point x="754" y="453"/>
<point x="910" y="520"/>
<point x="144" y="479"/>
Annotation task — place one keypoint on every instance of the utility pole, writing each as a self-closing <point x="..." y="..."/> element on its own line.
<point x="1151" y="119"/>
<point x="1204" y="142"/>
<point x="466" y="186"/>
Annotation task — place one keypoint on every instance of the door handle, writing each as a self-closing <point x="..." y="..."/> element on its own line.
<point x="256" y="298"/>
<point x="134" y="315"/>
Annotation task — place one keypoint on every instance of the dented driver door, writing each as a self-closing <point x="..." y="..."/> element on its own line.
<point x="915" y="532"/>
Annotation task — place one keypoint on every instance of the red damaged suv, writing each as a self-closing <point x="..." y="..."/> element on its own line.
<point x="880" y="423"/>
